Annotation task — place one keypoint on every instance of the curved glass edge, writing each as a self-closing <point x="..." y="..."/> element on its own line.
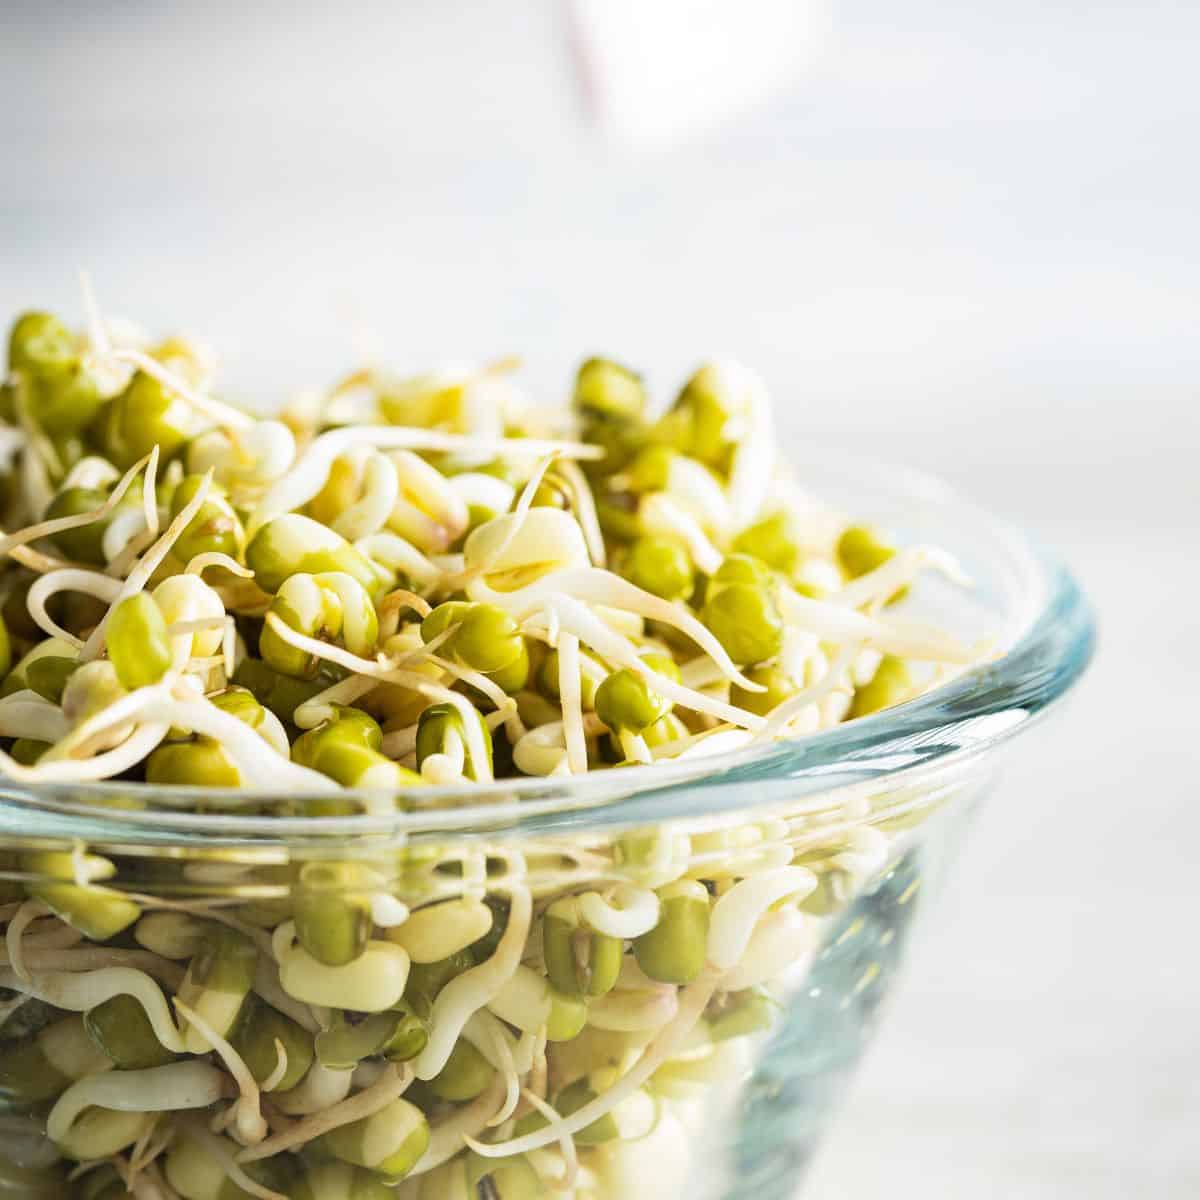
<point x="974" y="714"/>
<point x="980" y="710"/>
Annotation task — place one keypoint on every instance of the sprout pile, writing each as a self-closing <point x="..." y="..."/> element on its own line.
<point x="394" y="587"/>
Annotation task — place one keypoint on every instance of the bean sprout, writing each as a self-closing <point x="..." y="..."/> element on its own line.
<point x="737" y="912"/>
<point x="174" y="1088"/>
<point x="474" y="988"/>
<point x="333" y="616"/>
<point x="309" y="473"/>
<point x="140" y="576"/>
<point x="691" y="1005"/>
<point x="392" y="1084"/>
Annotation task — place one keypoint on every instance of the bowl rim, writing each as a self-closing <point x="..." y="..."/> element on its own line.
<point x="1053" y="643"/>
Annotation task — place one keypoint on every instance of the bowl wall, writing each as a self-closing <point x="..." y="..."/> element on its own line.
<point x="805" y="914"/>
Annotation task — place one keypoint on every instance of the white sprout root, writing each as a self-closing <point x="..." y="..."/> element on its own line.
<point x="692" y="1003"/>
<point x="308" y="475"/>
<point x="86" y="990"/>
<point x="248" y="1122"/>
<point x="173" y="1088"/>
<point x="473" y="989"/>
<point x="391" y="1085"/>
<point x="140" y="575"/>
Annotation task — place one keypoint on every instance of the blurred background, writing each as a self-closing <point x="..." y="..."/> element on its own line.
<point x="960" y="236"/>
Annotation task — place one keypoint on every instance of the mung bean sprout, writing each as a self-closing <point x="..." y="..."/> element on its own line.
<point x="327" y="616"/>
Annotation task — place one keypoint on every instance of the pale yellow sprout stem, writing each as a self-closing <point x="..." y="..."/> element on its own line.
<point x="258" y="763"/>
<point x="391" y="1085"/>
<point x="634" y="747"/>
<point x="379" y="668"/>
<point x="148" y="1147"/>
<point x="27" y="913"/>
<point x="91" y="472"/>
<point x="399" y="743"/>
<point x="736" y="914"/>
<point x="173" y="1088"/>
<point x="593" y="586"/>
<point x="396" y="552"/>
<point x="197" y="625"/>
<point x="834" y="678"/>
<point x="35" y="560"/>
<point x="51" y="933"/>
<point x="210" y="913"/>
<point x="320" y="1089"/>
<point x="542" y="751"/>
<point x="217" y="1149"/>
<point x="475" y="988"/>
<point x="693" y="999"/>
<point x="81" y="992"/>
<point x="477" y="679"/>
<point x="837" y="623"/>
<point x="634" y="1010"/>
<point x="267" y="985"/>
<point x="308" y="475"/>
<point x="320" y="707"/>
<point x="249" y="1124"/>
<point x="514" y="527"/>
<point x="380" y="491"/>
<point x="506" y="1064"/>
<point x="566" y="1142"/>
<point x="68" y="579"/>
<point x="720" y="739"/>
<point x="44" y="529"/>
<point x="25" y="714"/>
<point x="122" y="554"/>
<point x="282" y="937"/>
<point x="628" y="913"/>
<point x="385" y="672"/>
<point x="448" y="1137"/>
<point x="619" y="650"/>
<point x="506" y="706"/>
<point x="898" y="571"/>
<point x="570" y="694"/>
<point x="400" y="598"/>
<point x="199" y="563"/>
<point x="780" y="939"/>
<point x="103" y="766"/>
<point x="660" y="513"/>
<point x="136" y="1151"/>
<point x="149" y="493"/>
<point x="584" y="505"/>
<point x="140" y="575"/>
<point x="221" y="414"/>
<point x="132" y="706"/>
<point x="93" y="958"/>
<point x="150" y="1184"/>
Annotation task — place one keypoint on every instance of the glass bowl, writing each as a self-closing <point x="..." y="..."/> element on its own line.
<point x="707" y="943"/>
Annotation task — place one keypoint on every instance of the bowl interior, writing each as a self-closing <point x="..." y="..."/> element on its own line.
<point x="1023" y="605"/>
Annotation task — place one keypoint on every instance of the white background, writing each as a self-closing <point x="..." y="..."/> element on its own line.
<point x="966" y="238"/>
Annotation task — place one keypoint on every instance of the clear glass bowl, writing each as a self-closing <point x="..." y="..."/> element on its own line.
<point x="739" y="1051"/>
